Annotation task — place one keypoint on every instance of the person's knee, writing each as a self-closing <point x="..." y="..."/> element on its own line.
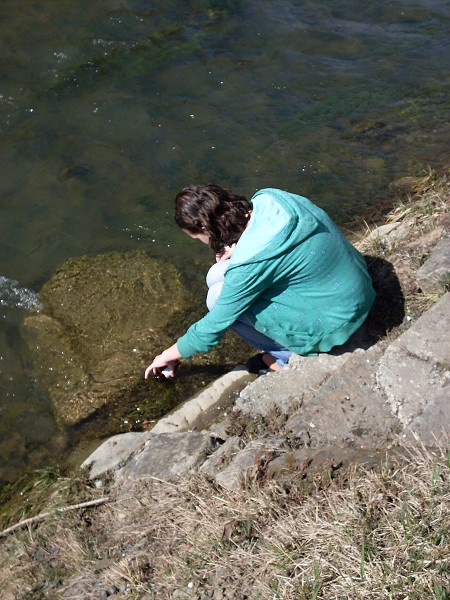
<point x="213" y="294"/>
<point x="214" y="281"/>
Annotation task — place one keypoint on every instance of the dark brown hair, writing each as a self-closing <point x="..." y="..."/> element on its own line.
<point x="213" y="210"/>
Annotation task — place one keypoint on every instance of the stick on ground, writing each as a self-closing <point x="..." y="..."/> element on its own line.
<point x="43" y="516"/>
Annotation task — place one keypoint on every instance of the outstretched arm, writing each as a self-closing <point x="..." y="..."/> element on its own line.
<point x="168" y="358"/>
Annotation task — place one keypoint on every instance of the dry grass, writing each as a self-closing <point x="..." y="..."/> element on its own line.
<point x="425" y="204"/>
<point x="421" y="210"/>
<point x="371" y="535"/>
<point x="393" y="260"/>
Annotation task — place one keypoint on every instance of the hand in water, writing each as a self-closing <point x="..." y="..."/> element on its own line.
<point x="159" y="364"/>
<point x="170" y="358"/>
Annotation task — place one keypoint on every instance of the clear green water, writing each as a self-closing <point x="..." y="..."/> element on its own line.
<point x="108" y="107"/>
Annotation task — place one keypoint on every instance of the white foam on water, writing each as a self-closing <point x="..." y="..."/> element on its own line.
<point x="14" y="296"/>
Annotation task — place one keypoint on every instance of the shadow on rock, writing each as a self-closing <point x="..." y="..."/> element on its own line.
<point x="149" y="400"/>
<point x="388" y="310"/>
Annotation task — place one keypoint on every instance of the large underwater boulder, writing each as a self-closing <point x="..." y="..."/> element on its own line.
<point x="104" y="317"/>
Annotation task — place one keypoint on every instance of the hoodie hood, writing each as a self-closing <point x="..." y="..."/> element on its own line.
<point x="279" y="221"/>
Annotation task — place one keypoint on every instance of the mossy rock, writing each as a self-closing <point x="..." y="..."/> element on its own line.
<point x="104" y="317"/>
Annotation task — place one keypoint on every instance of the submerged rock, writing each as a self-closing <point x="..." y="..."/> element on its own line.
<point x="103" y="317"/>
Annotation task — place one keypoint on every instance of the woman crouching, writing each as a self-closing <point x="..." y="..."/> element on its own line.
<point x="286" y="279"/>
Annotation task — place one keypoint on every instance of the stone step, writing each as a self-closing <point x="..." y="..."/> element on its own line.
<point x="351" y="403"/>
<point x="414" y="374"/>
<point x="354" y="400"/>
<point x="285" y="390"/>
<point x="348" y="409"/>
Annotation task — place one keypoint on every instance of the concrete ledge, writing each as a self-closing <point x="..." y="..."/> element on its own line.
<point x="206" y="406"/>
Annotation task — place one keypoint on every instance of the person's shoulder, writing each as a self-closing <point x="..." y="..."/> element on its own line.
<point x="269" y="192"/>
<point x="267" y="196"/>
<point x="281" y="196"/>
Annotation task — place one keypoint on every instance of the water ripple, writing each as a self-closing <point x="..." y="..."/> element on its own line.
<point x="14" y="296"/>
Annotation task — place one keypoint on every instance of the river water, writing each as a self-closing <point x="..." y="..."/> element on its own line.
<point x="108" y="107"/>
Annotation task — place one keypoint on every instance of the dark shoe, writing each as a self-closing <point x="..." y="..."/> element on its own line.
<point x="256" y="364"/>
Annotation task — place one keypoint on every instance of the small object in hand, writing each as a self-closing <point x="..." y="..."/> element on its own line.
<point x="162" y="375"/>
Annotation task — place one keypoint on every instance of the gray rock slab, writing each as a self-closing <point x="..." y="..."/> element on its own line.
<point x="381" y="232"/>
<point x="348" y="409"/>
<point x="400" y="233"/>
<point x="415" y="377"/>
<point x="247" y="460"/>
<point x="428" y="338"/>
<point x="222" y="457"/>
<point x="390" y="232"/>
<point x="220" y="429"/>
<point x="411" y="383"/>
<point x="435" y="272"/>
<point x="114" y="453"/>
<point x="285" y="390"/>
<point x="166" y="456"/>
<point x="432" y="425"/>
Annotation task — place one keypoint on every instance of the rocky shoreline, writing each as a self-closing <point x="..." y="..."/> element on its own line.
<point x="343" y="409"/>
<point x="339" y="407"/>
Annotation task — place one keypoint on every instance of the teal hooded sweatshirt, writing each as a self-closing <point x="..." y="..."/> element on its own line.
<point x="294" y="275"/>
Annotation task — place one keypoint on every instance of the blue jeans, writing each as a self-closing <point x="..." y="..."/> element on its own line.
<point x="243" y="326"/>
<point x="246" y="330"/>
